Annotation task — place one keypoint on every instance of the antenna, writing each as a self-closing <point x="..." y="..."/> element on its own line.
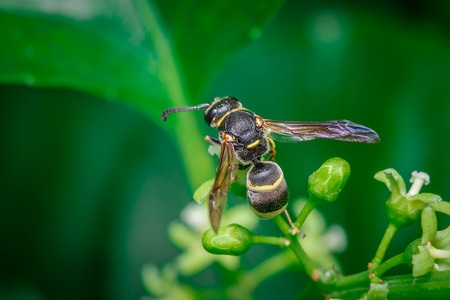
<point x="180" y="109"/>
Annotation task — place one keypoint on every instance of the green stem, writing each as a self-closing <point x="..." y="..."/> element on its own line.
<point x="268" y="268"/>
<point x="309" y="265"/>
<point x="359" y="279"/>
<point x="381" y="251"/>
<point x="270" y="240"/>
<point x="390" y="263"/>
<point x="309" y="206"/>
<point x="433" y="286"/>
<point x="346" y="282"/>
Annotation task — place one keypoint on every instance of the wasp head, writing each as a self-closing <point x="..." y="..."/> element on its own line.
<point x="219" y="108"/>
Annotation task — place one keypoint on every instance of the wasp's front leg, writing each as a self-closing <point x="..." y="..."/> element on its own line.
<point x="212" y="141"/>
<point x="214" y="147"/>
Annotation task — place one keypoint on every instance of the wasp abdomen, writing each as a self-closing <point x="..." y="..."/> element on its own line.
<point x="266" y="189"/>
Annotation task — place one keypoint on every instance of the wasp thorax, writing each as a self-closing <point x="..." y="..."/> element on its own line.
<point x="266" y="189"/>
<point x="219" y="108"/>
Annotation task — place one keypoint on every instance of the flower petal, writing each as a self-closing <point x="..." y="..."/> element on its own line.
<point x="393" y="181"/>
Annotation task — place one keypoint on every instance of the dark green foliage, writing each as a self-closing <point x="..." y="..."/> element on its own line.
<point x="88" y="186"/>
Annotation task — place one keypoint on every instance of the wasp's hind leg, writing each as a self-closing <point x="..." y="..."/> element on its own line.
<point x="272" y="150"/>
<point x="294" y="230"/>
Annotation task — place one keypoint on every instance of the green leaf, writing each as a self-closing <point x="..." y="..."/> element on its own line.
<point x="89" y="55"/>
<point x="206" y="32"/>
<point x="239" y="187"/>
<point x="98" y="56"/>
<point x="202" y="193"/>
<point x="140" y="53"/>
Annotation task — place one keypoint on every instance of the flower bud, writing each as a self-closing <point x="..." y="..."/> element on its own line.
<point x="232" y="239"/>
<point x="325" y="184"/>
<point x="403" y="213"/>
<point x="429" y="225"/>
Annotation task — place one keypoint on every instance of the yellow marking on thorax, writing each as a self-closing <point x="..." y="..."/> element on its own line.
<point x="227" y="113"/>
<point x="254" y="144"/>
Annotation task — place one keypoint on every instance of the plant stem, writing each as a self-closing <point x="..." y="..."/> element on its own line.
<point x="346" y="282"/>
<point x="381" y="251"/>
<point x="433" y="286"/>
<point x="295" y="247"/>
<point x="268" y="268"/>
<point x="390" y="263"/>
<point x="309" y="206"/>
<point x="270" y="240"/>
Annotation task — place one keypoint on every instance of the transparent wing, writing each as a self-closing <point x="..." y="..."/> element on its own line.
<point x="342" y="130"/>
<point x="225" y="175"/>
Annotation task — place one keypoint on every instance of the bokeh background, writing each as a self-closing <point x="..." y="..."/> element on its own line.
<point x="88" y="186"/>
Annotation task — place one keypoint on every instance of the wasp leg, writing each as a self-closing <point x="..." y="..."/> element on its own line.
<point x="214" y="145"/>
<point x="294" y="229"/>
<point x="272" y="150"/>
<point x="212" y="141"/>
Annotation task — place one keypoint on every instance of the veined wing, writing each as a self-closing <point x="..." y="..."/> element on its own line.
<point x="225" y="174"/>
<point x="342" y="130"/>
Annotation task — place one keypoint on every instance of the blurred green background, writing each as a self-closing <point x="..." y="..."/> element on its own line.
<point x="89" y="186"/>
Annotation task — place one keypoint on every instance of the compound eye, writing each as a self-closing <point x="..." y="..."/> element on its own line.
<point x="219" y="107"/>
<point x="209" y="116"/>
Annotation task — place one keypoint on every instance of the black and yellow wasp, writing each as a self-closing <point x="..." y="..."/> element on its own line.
<point x="244" y="138"/>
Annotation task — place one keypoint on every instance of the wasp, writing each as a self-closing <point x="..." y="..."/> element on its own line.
<point x="246" y="138"/>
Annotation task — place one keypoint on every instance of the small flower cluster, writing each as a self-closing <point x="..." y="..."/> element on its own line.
<point x="432" y="251"/>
